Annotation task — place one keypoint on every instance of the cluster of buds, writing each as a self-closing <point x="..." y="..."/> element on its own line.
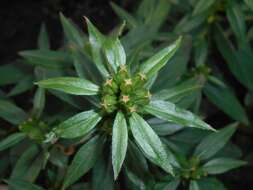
<point x="34" y="129"/>
<point x="124" y="92"/>
<point x="193" y="171"/>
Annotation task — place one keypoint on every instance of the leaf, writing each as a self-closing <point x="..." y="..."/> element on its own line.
<point x="203" y="6"/>
<point x="71" y="32"/>
<point x="83" y="161"/>
<point x="149" y="142"/>
<point x="96" y="40"/>
<point x="236" y="20"/>
<point x="39" y="102"/>
<point x="131" y="21"/>
<point x="119" y="143"/>
<point x="211" y="144"/>
<point x="70" y="85"/>
<point x="16" y="184"/>
<point x="22" y="86"/>
<point x="11" y="112"/>
<point x="43" y="40"/>
<point x="163" y="128"/>
<point x="28" y="165"/>
<point x="78" y="125"/>
<point x="11" y="140"/>
<point x="47" y="58"/>
<point x="7" y="78"/>
<point x="210" y="184"/>
<point x="178" y="92"/>
<point x="159" y="60"/>
<point x="249" y="3"/>
<point x="222" y="165"/>
<point x="225" y="99"/>
<point x="169" y="112"/>
<point x="114" y="53"/>
<point x="194" y="185"/>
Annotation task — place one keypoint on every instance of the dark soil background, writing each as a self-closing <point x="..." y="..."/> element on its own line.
<point x="20" y="22"/>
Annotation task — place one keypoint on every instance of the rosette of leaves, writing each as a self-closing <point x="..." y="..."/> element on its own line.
<point x="211" y="155"/>
<point x="121" y="99"/>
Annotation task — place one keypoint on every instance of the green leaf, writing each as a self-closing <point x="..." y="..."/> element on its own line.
<point x="194" y="185"/>
<point x="210" y="145"/>
<point x="225" y="99"/>
<point x="83" y="161"/>
<point x="16" y="184"/>
<point x="11" y="140"/>
<point x="159" y="60"/>
<point x="210" y="184"/>
<point x="150" y="142"/>
<point x="78" y="125"/>
<point x="203" y="6"/>
<point x="71" y="32"/>
<point x="28" y="165"/>
<point x="222" y="165"/>
<point x="70" y="85"/>
<point x="249" y="3"/>
<point x="114" y="53"/>
<point x="39" y="102"/>
<point x="131" y="21"/>
<point x="43" y="40"/>
<point x="96" y="40"/>
<point x="178" y="92"/>
<point x="236" y="20"/>
<point x="47" y="58"/>
<point x="169" y="112"/>
<point x="119" y="143"/>
<point x="11" y="112"/>
<point x="6" y="78"/>
<point x="22" y="86"/>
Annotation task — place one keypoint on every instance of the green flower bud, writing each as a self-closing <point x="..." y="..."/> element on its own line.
<point x="126" y="85"/>
<point x="139" y="80"/>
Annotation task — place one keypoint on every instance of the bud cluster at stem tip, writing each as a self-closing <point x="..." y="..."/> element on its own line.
<point x="125" y="93"/>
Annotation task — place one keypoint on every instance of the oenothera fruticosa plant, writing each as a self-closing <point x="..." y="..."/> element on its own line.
<point x="124" y="100"/>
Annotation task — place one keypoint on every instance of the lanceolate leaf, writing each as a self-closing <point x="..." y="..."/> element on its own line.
<point x="203" y="6"/>
<point x="119" y="143"/>
<point x="159" y="60"/>
<point x="249" y="3"/>
<point x="16" y="184"/>
<point x="149" y="142"/>
<point x="225" y="99"/>
<point x="194" y="185"/>
<point x="43" y="41"/>
<point x="70" y="85"/>
<point x="169" y="112"/>
<point x="222" y="165"/>
<point x="114" y="52"/>
<point x="11" y="112"/>
<point x="47" y="58"/>
<point x="11" y="140"/>
<point x="71" y="32"/>
<point x="78" y="125"/>
<point x="96" y="41"/>
<point x="214" y="142"/>
<point x="83" y="161"/>
<point x="6" y="78"/>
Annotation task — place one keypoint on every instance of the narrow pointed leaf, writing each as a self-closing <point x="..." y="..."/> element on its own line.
<point x="119" y="143"/>
<point x="169" y="112"/>
<point x="214" y="142"/>
<point x="43" y="41"/>
<point x="194" y="185"/>
<point x="78" y="125"/>
<point x="11" y="140"/>
<point x="47" y="58"/>
<point x="17" y="184"/>
<point x="114" y="53"/>
<point x="83" y="161"/>
<point x="202" y="6"/>
<point x="6" y="78"/>
<point x="71" y="32"/>
<point x="70" y="85"/>
<point x="222" y="165"/>
<point x="96" y="41"/>
<point x="159" y="60"/>
<point x="149" y="142"/>
<point x="11" y="113"/>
